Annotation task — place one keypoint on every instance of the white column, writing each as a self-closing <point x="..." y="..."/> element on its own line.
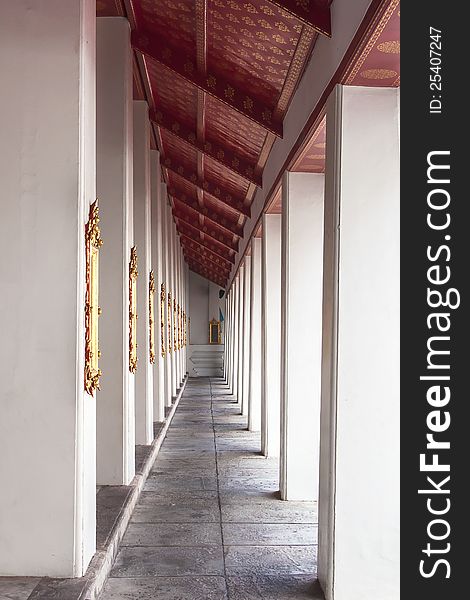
<point x="235" y="337"/>
<point x="186" y="299"/>
<point x="171" y="227"/>
<point x="178" y="303"/>
<point x="301" y="306"/>
<point x="143" y="243"/>
<point x="246" y="334"/>
<point x="241" y="309"/>
<point x="183" y="309"/>
<point x="228" y="341"/>
<point x="254" y="402"/>
<point x="271" y="335"/>
<point x="175" y="313"/>
<point x="166" y="264"/>
<point x="115" y="409"/>
<point x="359" y="467"/>
<point x="47" y="422"/>
<point x="157" y="266"/>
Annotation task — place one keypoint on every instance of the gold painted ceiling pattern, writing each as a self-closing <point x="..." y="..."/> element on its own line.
<point x="376" y="62"/>
<point x="218" y="76"/>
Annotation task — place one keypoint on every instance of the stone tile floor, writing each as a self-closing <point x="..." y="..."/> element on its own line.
<point x="209" y="524"/>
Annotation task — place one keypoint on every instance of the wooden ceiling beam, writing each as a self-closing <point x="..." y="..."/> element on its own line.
<point x="220" y="253"/>
<point x="160" y="51"/>
<point x="225" y="157"/>
<point x="205" y="263"/>
<point x="314" y="13"/>
<point x="221" y="239"/>
<point x="219" y="193"/>
<point x="193" y="266"/>
<point x="198" y="247"/>
<point x="210" y="215"/>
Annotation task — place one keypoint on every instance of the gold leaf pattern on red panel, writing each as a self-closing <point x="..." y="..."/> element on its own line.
<point x="179" y="153"/>
<point x="240" y="135"/>
<point x="223" y="210"/>
<point x="379" y="59"/>
<point x="172" y="94"/>
<point x="231" y="55"/>
<point x="255" y="56"/>
<point x="173" y="20"/>
<point x="232" y="183"/>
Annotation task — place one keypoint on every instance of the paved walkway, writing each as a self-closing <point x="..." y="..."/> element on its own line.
<point x="209" y="524"/>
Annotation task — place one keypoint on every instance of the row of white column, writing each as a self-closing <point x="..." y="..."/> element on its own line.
<point x="73" y="133"/>
<point x="323" y="350"/>
<point x="134" y="211"/>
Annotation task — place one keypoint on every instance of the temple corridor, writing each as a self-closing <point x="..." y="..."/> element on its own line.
<point x="209" y="524"/>
<point x="200" y="300"/>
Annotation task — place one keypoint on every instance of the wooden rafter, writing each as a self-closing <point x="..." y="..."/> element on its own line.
<point x="197" y="256"/>
<point x="316" y="14"/>
<point x="210" y="215"/>
<point x="187" y="237"/>
<point x="214" y="274"/>
<point x="206" y="241"/>
<point x="160" y="51"/>
<point x="206" y="273"/>
<point x="203" y="262"/>
<point x="221" y="194"/>
<point x="221" y="239"/>
<point x="220" y="154"/>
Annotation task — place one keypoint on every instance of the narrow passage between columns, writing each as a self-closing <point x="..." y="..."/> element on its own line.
<point x="209" y="524"/>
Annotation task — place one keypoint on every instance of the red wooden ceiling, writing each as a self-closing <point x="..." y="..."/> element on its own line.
<point x="375" y="64"/>
<point x="219" y="75"/>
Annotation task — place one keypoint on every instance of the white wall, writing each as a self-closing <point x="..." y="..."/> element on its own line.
<point x="47" y="423"/>
<point x="204" y="306"/>
<point x="198" y="308"/>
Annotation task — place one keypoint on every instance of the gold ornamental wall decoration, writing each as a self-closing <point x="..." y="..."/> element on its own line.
<point x="93" y="243"/>
<point x="179" y="327"/>
<point x="162" y="319"/>
<point x="175" y="326"/>
<point x="152" y="317"/>
<point x="184" y="329"/>
<point x="133" y="273"/>
<point x="214" y="332"/>
<point x="169" y="323"/>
